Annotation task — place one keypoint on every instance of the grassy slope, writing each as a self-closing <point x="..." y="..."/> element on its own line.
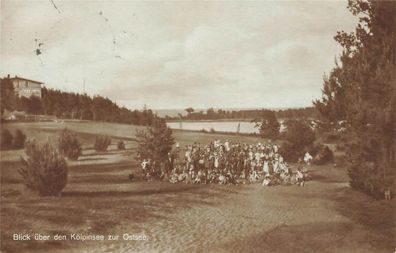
<point x="326" y="215"/>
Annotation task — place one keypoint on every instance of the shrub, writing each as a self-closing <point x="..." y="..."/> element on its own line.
<point x="212" y="130"/>
<point x="270" y="126"/>
<point x="340" y="160"/>
<point x="19" y="139"/>
<point x="332" y="136"/>
<point x="298" y="137"/>
<point x="155" y="144"/>
<point x="121" y="145"/>
<point x="69" y="146"/>
<point x="341" y="146"/>
<point x="315" y="149"/>
<point x="325" y="155"/>
<point x="366" y="171"/>
<point x="371" y="179"/>
<point x="290" y="152"/>
<point x="45" y="170"/>
<point x="6" y="139"/>
<point x="102" y="142"/>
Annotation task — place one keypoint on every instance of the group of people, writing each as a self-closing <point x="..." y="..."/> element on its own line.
<point x="227" y="163"/>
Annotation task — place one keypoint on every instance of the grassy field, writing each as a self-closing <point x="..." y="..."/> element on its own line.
<point x="324" y="216"/>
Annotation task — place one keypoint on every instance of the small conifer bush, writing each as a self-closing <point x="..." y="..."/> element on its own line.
<point x="69" y="145"/>
<point x="44" y="170"/>
<point x="102" y="142"/>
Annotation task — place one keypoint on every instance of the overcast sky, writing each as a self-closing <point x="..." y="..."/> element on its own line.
<point x="176" y="54"/>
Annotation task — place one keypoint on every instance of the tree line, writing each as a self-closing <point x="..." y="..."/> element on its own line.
<point x="212" y="114"/>
<point x="69" y="105"/>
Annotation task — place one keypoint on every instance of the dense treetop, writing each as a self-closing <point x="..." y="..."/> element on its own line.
<point x="361" y="90"/>
<point x="72" y="106"/>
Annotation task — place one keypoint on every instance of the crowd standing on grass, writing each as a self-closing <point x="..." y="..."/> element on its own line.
<point x="227" y="163"/>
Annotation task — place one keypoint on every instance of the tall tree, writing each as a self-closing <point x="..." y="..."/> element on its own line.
<point x="269" y="127"/>
<point x="299" y="136"/>
<point x="7" y="95"/>
<point x="189" y="110"/>
<point x="362" y="91"/>
<point x="156" y="142"/>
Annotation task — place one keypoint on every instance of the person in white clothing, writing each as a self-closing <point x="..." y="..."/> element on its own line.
<point x="266" y="168"/>
<point x="307" y="158"/>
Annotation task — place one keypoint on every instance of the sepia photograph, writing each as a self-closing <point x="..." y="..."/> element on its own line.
<point x="197" y="126"/>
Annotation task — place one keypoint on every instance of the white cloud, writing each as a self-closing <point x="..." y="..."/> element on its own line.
<point x="177" y="54"/>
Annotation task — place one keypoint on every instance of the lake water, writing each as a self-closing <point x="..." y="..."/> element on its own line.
<point x="218" y="126"/>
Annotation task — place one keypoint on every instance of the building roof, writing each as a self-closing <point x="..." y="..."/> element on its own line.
<point x="21" y="78"/>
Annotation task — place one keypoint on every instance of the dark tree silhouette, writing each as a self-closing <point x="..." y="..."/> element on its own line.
<point x="362" y="91"/>
<point x="7" y="95"/>
<point x="269" y="127"/>
<point x="155" y="142"/>
<point x="298" y="138"/>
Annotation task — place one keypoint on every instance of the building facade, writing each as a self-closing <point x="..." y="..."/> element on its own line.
<point x="26" y="88"/>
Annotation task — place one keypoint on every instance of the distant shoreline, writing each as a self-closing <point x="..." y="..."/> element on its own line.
<point x="216" y="132"/>
<point x="216" y="120"/>
<point x="208" y="120"/>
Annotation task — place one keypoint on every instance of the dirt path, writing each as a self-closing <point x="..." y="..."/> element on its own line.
<point x="251" y="210"/>
<point x="325" y="215"/>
